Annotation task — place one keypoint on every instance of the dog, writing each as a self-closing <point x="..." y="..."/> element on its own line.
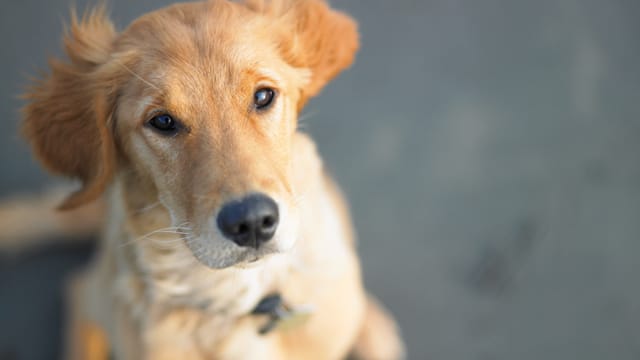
<point x="223" y="236"/>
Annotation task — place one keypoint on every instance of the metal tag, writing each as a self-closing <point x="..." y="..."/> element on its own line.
<point x="284" y="319"/>
<point x="293" y="318"/>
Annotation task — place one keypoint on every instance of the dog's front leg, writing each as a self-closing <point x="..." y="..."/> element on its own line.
<point x="85" y="339"/>
<point x="379" y="337"/>
<point x="172" y="352"/>
<point x="173" y="334"/>
<point x="153" y="343"/>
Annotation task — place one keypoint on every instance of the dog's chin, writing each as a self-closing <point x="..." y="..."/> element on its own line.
<point x="229" y="255"/>
<point x="236" y="259"/>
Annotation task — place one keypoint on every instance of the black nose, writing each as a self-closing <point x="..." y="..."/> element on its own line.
<point x="250" y="221"/>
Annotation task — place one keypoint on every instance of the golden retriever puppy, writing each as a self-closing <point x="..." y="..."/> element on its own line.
<point x="223" y="238"/>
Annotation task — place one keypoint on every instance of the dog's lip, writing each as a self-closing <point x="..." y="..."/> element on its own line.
<point x="250" y="263"/>
<point x="253" y="257"/>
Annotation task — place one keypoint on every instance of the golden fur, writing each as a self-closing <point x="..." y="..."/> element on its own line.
<point x="165" y="284"/>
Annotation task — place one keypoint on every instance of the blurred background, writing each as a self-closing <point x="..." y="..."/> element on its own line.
<point x="489" y="150"/>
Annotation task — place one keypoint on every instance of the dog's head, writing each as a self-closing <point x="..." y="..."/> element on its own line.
<point x="200" y="102"/>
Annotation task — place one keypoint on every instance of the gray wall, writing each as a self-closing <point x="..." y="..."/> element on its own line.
<point x="490" y="153"/>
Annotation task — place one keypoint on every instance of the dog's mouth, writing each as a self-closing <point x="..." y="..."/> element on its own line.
<point x="251" y="256"/>
<point x="215" y="254"/>
<point x="251" y="262"/>
<point x="255" y="256"/>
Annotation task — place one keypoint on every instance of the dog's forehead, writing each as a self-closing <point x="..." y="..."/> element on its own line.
<point x="200" y="45"/>
<point x="190" y="29"/>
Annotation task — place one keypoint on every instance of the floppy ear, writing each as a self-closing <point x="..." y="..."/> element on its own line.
<point x="67" y="116"/>
<point x="315" y="37"/>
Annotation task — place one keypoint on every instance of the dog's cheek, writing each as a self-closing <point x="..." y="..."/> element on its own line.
<point x="287" y="234"/>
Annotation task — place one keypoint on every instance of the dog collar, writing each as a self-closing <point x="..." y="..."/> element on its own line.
<point x="280" y="315"/>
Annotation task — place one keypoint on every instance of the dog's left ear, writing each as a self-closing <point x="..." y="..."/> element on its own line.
<point x="313" y="37"/>
<point x="68" y="112"/>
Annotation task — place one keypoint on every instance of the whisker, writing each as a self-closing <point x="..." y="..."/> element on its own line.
<point x="205" y="197"/>
<point x="303" y="120"/>
<point x="147" y="208"/>
<point x="167" y="241"/>
<point x="177" y="230"/>
<point x="138" y="76"/>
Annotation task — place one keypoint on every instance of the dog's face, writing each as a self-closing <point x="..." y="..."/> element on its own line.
<point x="200" y="101"/>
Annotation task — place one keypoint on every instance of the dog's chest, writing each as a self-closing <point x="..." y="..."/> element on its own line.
<point x="203" y="305"/>
<point x="231" y="293"/>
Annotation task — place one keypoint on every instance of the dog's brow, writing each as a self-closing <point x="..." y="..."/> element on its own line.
<point x="264" y="75"/>
<point x="145" y="104"/>
<point x="137" y="76"/>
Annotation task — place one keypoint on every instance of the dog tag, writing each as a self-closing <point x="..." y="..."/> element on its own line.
<point x="293" y="318"/>
<point x="281" y="316"/>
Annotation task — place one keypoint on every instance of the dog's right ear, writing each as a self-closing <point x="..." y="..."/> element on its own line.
<point x="68" y="111"/>
<point x="312" y="36"/>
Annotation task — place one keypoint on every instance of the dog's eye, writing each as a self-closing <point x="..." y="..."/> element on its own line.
<point x="164" y="123"/>
<point x="263" y="98"/>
